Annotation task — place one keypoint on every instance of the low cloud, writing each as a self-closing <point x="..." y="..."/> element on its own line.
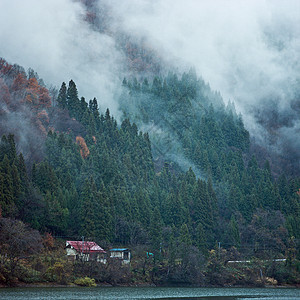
<point x="247" y="50"/>
<point x="52" y="38"/>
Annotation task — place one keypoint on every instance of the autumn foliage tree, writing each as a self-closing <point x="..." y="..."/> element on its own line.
<point x="37" y="95"/>
<point x="24" y="108"/>
<point x="24" y="89"/>
<point x="19" y="83"/>
<point x="84" y="150"/>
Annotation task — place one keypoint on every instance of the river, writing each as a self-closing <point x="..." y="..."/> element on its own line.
<point x="162" y="293"/>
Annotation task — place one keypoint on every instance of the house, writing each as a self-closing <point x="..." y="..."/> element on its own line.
<point x="85" y="251"/>
<point x="122" y="254"/>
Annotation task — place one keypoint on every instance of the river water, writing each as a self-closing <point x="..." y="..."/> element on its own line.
<point x="139" y="293"/>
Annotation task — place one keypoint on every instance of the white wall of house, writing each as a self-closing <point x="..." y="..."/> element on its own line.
<point x="121" y="255"/>
<point x="116" y="254"/>
<point x="71" y="251"/>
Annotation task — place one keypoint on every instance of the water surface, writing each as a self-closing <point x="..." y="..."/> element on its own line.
<point x="147" y="293"/>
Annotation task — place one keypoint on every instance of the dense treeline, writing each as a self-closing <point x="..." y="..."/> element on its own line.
<point x="98" y="179"/>
<point x="104" y="185"/>
<point x="214" y="139"/>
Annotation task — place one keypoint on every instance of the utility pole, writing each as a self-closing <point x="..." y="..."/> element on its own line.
<point x="219" y="244"/>
<point x="82" y="246"/>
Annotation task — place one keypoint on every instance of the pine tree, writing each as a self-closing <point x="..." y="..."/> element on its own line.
<point x="62" y="96"/>
<point x="203" y="211"/>
<point x="103" y="215"/>
<point x="200" y="239"/>
<point x="6" y="189"/>
<point x="88" y="210"/>
<point x="234" y="233"/>
<point x="185" y="240"/>
<point x="24" y="180"/>
<point x="155" y="230"/>
<point x="184" y="236"/>
<point x="73" y="102"/>
<point x="12" y="154"/>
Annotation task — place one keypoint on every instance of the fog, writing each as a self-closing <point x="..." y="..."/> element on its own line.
<point x="52" y="38"/>
<point x="247" y="50"/>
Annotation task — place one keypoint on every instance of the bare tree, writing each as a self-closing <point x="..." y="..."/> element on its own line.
<point x="17" y="241"/>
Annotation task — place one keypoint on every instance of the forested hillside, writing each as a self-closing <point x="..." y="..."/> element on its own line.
<point x="183" y="186"/>
<point x="187" y="120"/>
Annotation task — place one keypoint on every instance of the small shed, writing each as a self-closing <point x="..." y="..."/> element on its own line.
<point x="85" y="251"/>
<point x="122" y="254"/>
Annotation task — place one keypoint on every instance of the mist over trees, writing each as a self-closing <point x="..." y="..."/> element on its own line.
<point x="250" y="53"/>
<point x="99" y="179"/>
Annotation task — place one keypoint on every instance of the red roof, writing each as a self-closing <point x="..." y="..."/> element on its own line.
<point x="88" y="247"/>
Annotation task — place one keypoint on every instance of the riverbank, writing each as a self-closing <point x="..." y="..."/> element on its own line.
<point x="142" y="285"/>
<point x="51" y="268"/>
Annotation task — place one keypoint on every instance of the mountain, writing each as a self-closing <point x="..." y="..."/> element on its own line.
<point x="87" y="171"/>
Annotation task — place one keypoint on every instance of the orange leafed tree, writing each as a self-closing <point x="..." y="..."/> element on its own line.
<point x="19" y="83"/>
<point x="37" y="95"/>
<point x="84" y="150"/>
<point x="32" y="91"/>
<point x="42" y="121"/>
<point x="44" y="98"/>
<point x="5" y="67"/>
<point x="43" y="116"/>
<point x="19" y="87"/>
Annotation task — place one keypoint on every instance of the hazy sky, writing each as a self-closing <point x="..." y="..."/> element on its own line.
<point x="248" y="50"/>
<point x="51" y="37"/>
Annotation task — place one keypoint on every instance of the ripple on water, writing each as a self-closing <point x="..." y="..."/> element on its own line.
<point x="149" y="293"/>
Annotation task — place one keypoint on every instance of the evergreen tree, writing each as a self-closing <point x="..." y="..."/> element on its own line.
<point x="73" y="102"/>
<point x="103" y="215"/>
<point x="62" y="96"/>
<point x="88" y="210"/>
<point x="185" y="240"/>
<point x="155" y="230"/>
<point x="6" y="189"/>
<point x="233" y="232"/>
<point x="200" y="239"/>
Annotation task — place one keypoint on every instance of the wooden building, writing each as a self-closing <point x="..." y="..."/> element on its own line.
<point x="122" y="254"/>
<point x="85" y="251"/>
